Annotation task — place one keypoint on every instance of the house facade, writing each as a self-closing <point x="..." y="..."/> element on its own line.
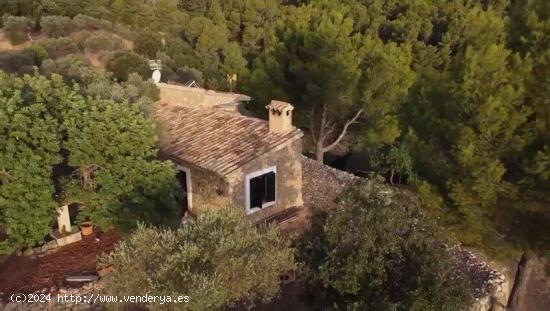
<point x="224" y="158"/>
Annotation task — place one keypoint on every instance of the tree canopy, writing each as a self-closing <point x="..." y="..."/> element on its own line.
<point x="372" y="253"/>
<point x="63" y="146"/>
<point x="218" y="259"/>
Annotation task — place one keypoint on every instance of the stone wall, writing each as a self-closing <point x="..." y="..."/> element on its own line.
<point x="288" y="162"/>
<point x="207" y="189"/>
<point x="197" y="97"/>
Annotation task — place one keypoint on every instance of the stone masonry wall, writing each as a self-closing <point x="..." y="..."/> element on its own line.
<point x="194" y="97"/>
<point x="288" y="162"/>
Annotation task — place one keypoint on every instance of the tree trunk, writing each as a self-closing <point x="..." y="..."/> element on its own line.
<point x="319" y="152"/>
<point x="519" y="289"/>
<point x="323" y="131"/>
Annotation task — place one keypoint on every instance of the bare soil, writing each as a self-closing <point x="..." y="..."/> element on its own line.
<point x="21" y="274"/>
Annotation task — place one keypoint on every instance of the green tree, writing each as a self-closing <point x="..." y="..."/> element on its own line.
<point x="29" y="149"/>
<point x="318" y="54"/>
<point x="470" y="119"/>
<point x="336" y="76"/>
<point x="56" y="26"/>
<point x="97" y="152"/>
<point x="387" y="76"/>
<point x="395" y="159"/>
<point x="123" y="63"/>
<point x="17" y="28"/>
<point x="372" y="253"/>
<point x="117" y="178"/>
<point x="218" y="259"/>
<point x="148" y="44"/>
<point x="530" y="35"/>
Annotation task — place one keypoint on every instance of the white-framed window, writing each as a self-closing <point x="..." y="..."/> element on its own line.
<point x="184" y="179"/>
<point x="261" y="189"/>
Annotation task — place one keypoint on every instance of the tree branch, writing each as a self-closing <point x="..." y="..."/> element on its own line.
<point x="343" y="133"/>
<point x="312" y="125"/>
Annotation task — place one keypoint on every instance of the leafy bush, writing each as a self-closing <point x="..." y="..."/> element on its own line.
<point x="16" y="28"/>
<point x="102" y="41"/>
<point x="375" y="254"/>
<point x="56" y="26"/>
<point x="37" y="52"/>
<point x="186" y="74"/>
<point x="85" y="22"/>
<point x="73" y="67"/>
<point x="147" y="44"/>
<point x="98" y="42"/>
<point x="123" y="63"/>
<point x="218" y="259"/>
<point x="79" y="37"/>
<point x="58" y="47"/>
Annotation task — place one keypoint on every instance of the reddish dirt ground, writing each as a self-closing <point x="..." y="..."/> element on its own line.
<point x="26" y="275"/>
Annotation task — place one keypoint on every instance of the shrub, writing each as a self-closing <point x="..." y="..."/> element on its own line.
<point x="375" y="253"/>
<point x="123" y="63"/>
<point x="37" y="52"/>
<point x="102" y="41"/>
<point x="56" y="26"/>
<point x="73" y="67"/>
<point x="98" y="42"/>
<point x="219" y="260"/>
<point x="123" y="31"/>
<point x="85" y="22"/>
<point x="58" y="47"/>
<point x="16" y="29"/>
<point x="147" y="44"/>
<point x="79" y="37"/>
<point x="186" y="74"/>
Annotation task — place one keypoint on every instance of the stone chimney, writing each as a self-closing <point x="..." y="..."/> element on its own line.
<point x="280" y="116"/>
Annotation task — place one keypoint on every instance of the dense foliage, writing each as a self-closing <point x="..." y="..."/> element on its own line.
<point x="61" y="145"/>
<point x="218" y="259"/>
<point x="462" y="87"/>
<point x="374" y="254"/>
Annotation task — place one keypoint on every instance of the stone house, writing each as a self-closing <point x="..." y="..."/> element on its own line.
<point x="225" y="158"/>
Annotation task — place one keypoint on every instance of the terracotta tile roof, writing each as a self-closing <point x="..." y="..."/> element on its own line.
<point x="213" y="139"/>
<point x="279" y="106"/>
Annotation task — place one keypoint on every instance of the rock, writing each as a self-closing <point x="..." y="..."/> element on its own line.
<point x="18" y="252"/>
<point x="28" y="252"/>
<point x="53" y="289"/>
<point x="42" y="255"/>
<point x="62" y="290"/>
<point x="52" y="244"/>
<point x="37" y="249"/>
<point x="88" y="286"/>
<point x="44" y="248"/>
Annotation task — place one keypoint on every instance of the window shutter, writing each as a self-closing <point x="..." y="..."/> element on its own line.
<point x="270" y="186"/>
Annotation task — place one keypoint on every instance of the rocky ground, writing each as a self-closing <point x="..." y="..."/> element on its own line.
<point x="24" y="274"/>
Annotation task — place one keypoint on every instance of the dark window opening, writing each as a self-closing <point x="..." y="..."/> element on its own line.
<point x="262" y="190"/>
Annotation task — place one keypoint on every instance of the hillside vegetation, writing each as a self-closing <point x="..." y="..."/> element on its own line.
<point x="451" y="98"/>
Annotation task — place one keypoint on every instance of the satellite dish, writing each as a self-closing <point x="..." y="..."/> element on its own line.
<point x="156" y="76"/>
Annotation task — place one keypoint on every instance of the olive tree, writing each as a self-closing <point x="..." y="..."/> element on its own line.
<point x="375" y="254"/>
<point x="218" y="259"/>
